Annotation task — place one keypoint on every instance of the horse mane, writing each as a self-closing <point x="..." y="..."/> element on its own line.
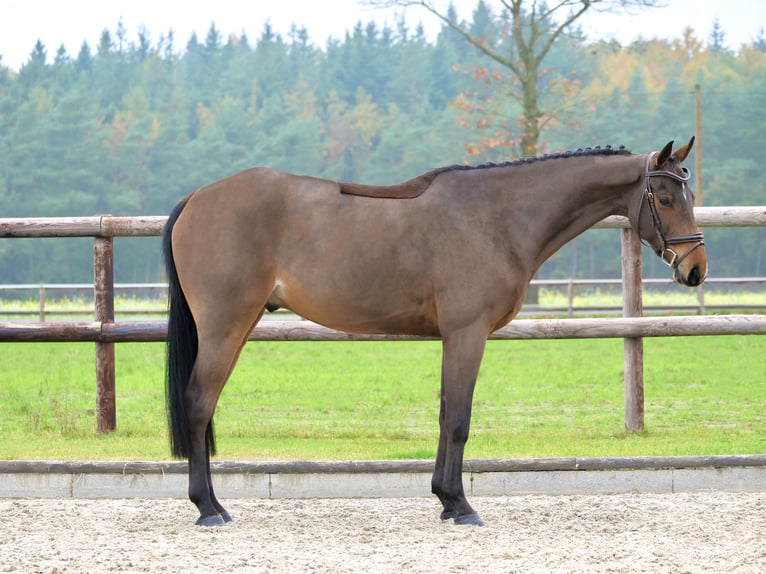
<point x="416" y="186"/>
<point x="588" y="151"/>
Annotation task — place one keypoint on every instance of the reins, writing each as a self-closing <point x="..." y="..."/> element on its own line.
<point x="697" y="238"/>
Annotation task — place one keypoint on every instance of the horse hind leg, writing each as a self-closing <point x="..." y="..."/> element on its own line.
<point x="216" y="358"/>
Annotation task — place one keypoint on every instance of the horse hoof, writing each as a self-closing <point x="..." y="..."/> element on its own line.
<point x="226" y="517"/>
<point x="448" y="515"/>
<point x="469" y="519"/>
<point x="210" y="521"/>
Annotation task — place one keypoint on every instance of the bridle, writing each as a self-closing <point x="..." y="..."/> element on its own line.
<point x="697" y="238"/>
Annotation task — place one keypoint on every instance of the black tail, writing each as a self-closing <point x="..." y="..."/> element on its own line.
<point x="181" y="350"/>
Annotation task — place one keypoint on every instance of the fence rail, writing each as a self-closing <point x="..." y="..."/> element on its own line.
<point x="300" y="330"/>
<point x="105" y="332"/>
<point x="150" y="226"/>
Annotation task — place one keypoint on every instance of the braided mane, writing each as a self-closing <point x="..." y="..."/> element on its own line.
<point x="598" y="150"/>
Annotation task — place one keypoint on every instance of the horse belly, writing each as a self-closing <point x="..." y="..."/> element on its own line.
<point x="357" y="296"/>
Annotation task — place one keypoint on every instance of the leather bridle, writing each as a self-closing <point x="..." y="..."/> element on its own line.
<point x="696" y="238"/>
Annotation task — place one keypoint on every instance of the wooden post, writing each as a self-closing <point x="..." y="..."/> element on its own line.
<point x="103" y="286"/>
<point x="698" y="143"/>
<point x="41" y="296"/>
<point x="633" y="348"/>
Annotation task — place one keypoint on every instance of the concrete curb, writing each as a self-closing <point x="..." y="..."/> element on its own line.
<point x="320" y="479"/>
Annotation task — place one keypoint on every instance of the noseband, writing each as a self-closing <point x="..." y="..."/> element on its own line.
<point x="698" y="239"/>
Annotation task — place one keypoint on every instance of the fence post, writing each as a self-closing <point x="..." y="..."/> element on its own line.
<point x="103" y="286"/>
<point x="633" y="348"/>
<point x="41" y="297"/>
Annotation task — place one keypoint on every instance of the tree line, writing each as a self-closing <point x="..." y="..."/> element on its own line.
<point x="130" y="126"/>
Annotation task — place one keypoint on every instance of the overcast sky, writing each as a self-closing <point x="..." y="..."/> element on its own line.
<point x="70" y="22"/>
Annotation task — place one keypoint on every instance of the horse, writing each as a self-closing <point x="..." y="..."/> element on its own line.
<point x="448" y="254"/>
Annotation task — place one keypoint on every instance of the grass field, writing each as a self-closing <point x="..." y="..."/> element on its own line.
<point x="330" y="400"/>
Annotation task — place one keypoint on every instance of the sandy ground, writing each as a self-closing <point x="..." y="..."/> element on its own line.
<point x="711" y="532"/>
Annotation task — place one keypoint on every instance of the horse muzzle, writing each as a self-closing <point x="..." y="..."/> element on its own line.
<point x="693" y="278"/>
<point x="690" y="268"/>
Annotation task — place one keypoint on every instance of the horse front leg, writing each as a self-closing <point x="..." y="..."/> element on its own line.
<point x="461" y="357"/>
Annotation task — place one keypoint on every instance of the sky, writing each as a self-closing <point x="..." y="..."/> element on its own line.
<point x="70" y="22"/>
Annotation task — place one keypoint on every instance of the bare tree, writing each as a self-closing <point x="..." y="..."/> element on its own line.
<point x="533" y="28"/>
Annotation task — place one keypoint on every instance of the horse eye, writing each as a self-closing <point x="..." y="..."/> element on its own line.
<point x="666" y="202"/>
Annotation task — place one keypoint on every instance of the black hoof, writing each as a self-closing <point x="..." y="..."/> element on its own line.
<point x="469" y="519"/>
<point x="210" y="521"/>
<point x="448" y="515"/>
<point x="226" y="517"/>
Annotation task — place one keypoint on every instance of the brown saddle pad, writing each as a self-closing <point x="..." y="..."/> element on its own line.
<point x="409" y="189"/>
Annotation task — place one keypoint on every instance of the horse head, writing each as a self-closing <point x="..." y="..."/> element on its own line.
<point x="665" y="216"/>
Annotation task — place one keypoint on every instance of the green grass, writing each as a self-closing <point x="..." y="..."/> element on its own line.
<point x="330" y="400"/>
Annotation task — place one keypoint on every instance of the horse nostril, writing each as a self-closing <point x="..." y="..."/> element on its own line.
<point x="694" y="278"/>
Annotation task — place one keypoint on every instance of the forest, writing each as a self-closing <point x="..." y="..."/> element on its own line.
<point x="133" y="124"/>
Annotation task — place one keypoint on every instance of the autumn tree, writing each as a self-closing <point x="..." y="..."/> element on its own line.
<point x="527" y="31"/>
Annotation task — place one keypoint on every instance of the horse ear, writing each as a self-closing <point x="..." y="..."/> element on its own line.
<point x="663" y="156"/>
<point x="682" y="153"/>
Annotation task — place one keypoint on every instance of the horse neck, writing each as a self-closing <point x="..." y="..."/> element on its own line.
<point x="567" y="196"/>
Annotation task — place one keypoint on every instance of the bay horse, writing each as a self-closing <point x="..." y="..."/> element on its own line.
<point x="448" y="254"/>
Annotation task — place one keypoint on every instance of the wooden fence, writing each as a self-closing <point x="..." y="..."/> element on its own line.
<point x="105" y="332"/>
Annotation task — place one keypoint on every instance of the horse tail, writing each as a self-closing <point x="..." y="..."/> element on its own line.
<point x="182" y="345"/>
